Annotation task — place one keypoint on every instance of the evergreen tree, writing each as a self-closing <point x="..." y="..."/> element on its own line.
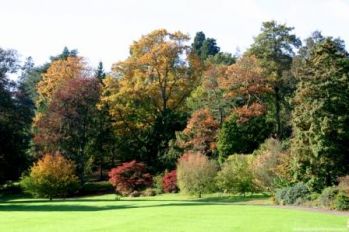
<point x="274" y="48"/>
<point x="321" y="115"/>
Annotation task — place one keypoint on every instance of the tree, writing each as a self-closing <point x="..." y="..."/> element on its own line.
<point x="209" y="94"/>
<point x="70" y="123"/>
<point x="204" y="47"/>
<point x="245" y="86"/>
<point x="274" y="48"/>
<point x="65" y="54"/>
<point x="52" y="176"/>
<point x="242" y="138"/>
<point x="15" y="118"/>
<point x="149" y="89"/>
<point x="100" y="74"/>
<point x="200" y="133"/>
<point x="57" y="74"/>
<point x="321" y="115"/>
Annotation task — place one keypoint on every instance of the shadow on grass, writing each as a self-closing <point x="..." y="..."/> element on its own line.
<point x="78" y="208"/>
<point x="43" y="205"/>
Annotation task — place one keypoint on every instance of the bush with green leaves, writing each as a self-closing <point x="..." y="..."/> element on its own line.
<point x="328" y="196"/>
<point x="196" y="174"/>
<point x="157" y="183"/>
<point x="236" y="175"/>
<point x="292" y="195"/>
<point x="341" y="201"/>
<point x="52" y="176"/>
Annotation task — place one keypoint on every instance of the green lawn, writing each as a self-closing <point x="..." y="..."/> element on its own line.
<point x="160" y="213"/>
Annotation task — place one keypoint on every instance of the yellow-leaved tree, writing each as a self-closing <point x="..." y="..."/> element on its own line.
<point x="146" y="90"/>
<point x="58" y="73"/>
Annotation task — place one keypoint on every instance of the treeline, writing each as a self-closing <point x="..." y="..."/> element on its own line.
<point x="170" y="98"/>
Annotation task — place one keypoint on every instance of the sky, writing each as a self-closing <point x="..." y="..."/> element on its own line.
<point x="103" y="30"/>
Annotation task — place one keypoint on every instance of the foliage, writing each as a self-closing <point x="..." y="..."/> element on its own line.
<point x="292" y="195"/>
<point x="57" y="74"/>
<point x="169" y="182"/>
<point x="236" y="175"/>
<point x="244" y="84"/>
<point x="343" y="184"/>
<point x="200" y="133"/>
<point x="328" y="196"/>
<point x="15" y="120"/>
<point x="274" y="48"/>
<point x="321" y="130"/>
<point x="208" y="94"/>
<point x="242" y="138"/>
<point x="52" y="176"/>
<point x="204" y="47"/>
<point x="148" y="92"/>
<point x="196" y="173"/>
<point x="342" y="201"/>
<point x="271" y="165"/>
<point x="69" y="124"/>
<point x="158" y="183"/>
<point x="130" y="177"/>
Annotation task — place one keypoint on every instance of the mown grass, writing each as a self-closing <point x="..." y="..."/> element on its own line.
<point x="168" y="212"/>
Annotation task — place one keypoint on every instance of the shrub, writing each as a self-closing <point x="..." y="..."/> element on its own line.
<point x="280" y="195"/>
<point x="52" y="176"/>
<point x="157" y="183"/>
<point x="292" y="195"/>
<point x="328" y="197"/>
<point x="236" y="175"/>
<point x="130" y="177"/>
<point x="196" y="173"/>
<point x="342" y="201"/>
<point x="271" y="166"/>
<point x="169" y="182"/>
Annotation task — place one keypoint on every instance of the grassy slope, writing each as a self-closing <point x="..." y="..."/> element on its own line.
<point x="161" y="213"/>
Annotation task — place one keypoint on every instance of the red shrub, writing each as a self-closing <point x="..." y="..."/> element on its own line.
<point x="169" y="182"/>
<point x="130" y="177"/>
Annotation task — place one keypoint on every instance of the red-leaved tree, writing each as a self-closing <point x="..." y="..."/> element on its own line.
<point x="129" y="177"/>
<point x="169" y="182"/>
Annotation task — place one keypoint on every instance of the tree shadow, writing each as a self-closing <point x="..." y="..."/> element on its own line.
<point x="59" y="207"/>
<point x="77" y="208"/>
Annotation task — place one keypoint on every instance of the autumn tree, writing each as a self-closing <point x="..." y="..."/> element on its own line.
<point x="57" y="74"/>
<point x="246" y="87"/>
<point x="200" y="133"/>
<point x="148" y="91"/>
<point x="70" y="123"/>
<point x="320" y="118"/>
<point x="274" y="48"/>
<point x="209" y="93"/>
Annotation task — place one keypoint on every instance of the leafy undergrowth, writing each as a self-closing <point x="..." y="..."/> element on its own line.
<point x="167" y="212"/>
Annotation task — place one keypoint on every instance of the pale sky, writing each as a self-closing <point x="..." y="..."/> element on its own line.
<point x="104" y="29"/>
